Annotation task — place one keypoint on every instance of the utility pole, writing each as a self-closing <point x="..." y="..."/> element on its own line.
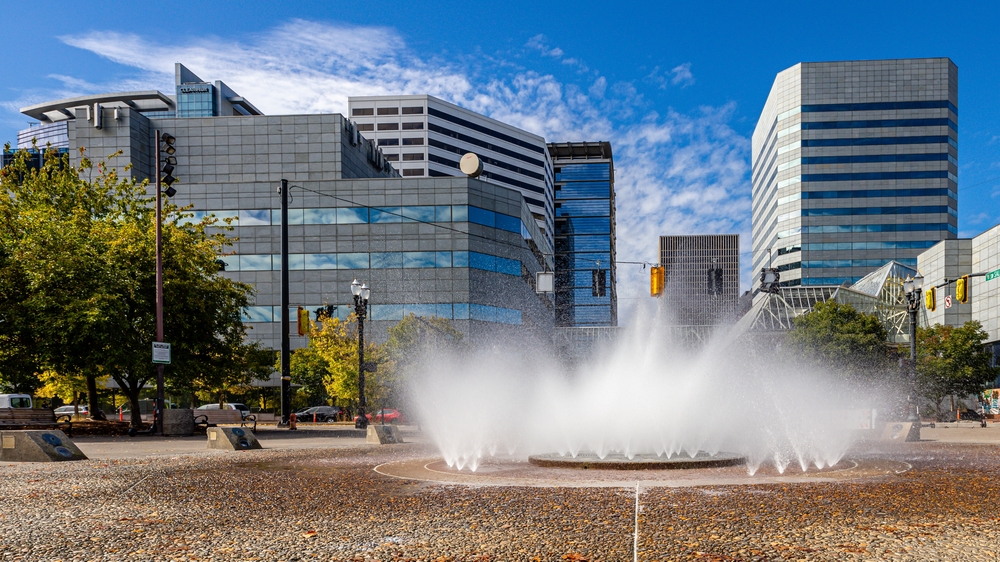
<point x="286" y="351"/>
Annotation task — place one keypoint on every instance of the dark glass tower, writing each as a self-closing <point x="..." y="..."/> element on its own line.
<point x="585" y="289"/>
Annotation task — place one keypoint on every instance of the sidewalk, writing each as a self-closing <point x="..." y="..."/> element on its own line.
<point x="321" y="437"/>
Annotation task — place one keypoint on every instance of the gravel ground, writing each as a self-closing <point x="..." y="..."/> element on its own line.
<point x="328" y="504"/>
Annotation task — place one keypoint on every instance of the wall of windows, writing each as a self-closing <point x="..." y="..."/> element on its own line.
<point x="908" y="227"/>
<point x="366" y="215"/>
<point x="879" y="123"/>
<point x="196" y="100"/>
<point x="584" y="240"/>
<point x="373" y="260"/>
<point x="878" y="141"/>
<point x="396" y="312"/>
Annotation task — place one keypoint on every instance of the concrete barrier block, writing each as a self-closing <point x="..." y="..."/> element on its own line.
<point x="38" y="446"/>
<point x="232" y="439"/>
<point x="178" y="422"/>
<point x="383" y="434"/>
<point x="896" y="431"/>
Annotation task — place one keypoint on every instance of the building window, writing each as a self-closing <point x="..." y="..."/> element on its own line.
<point x="413" y="111"/>
<point x="388" y="126"/>
<point x="362" y="111"/>
<point x="415" y="141"/>
<point x="413" y="172"/>
<point x="388" y="142"/>
<point x="391" y="157"/>
<point x="413" y="126"/>
<point x="388" y="111"/>
<point x="366" y="127"/>
<point x="414" y="157"/>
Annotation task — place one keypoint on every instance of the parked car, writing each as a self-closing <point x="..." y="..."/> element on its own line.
<point x="244" y="410"/>
<point x="319" y="413"/>
<point x="82" y="410"/>
<point x="391" y="415"/>
<point x="15" y="401"/>
<point x="967" y="415"/>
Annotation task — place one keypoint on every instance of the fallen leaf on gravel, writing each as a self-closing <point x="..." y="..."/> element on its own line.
<point x="309" y="534"/>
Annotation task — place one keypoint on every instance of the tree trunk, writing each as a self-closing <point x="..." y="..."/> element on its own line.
<point x="133" y="402"/>
<point x="93" y="400"/>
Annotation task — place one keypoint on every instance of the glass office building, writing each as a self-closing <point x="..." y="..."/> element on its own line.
<point x="586" y="277"/>
<point x="854" y="165"/>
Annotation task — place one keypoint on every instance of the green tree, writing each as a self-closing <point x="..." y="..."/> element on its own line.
<point x="86" y="251"/>
<point x="837" y="335"/>
<point x="953" y="361"/>
<point x="413" y="343"/>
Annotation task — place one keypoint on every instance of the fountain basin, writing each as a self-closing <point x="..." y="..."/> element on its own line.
<point x="618" y="461"/>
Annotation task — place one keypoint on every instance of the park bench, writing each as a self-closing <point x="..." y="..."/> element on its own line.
<point x="35" y="418"/>
<point x="212" y="418"/>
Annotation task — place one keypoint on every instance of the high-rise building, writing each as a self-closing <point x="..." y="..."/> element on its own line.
<point x="702" y="278"/>
<point x="854" y="165"/>
<point x="451" y="247"/>
<point x="586" y="278"/>
<point x="424" y="136"/>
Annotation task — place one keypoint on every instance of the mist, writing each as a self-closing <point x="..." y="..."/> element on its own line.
<point x="643" y="393"/>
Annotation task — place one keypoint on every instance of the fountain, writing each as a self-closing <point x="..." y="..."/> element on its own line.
<point x="643" y="402"/>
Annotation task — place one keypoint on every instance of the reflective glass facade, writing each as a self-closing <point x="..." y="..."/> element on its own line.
<point x="585" y="283"/>
<point x="855" y="164"/>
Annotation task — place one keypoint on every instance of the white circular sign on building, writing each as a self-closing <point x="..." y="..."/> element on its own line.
<point x="471" y="165"/>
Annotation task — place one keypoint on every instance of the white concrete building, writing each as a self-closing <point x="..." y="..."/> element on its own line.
<point x="423" y="136"/>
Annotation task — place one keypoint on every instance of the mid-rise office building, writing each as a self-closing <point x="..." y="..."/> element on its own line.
<point x="451" y="247"/>
<point x="854" y="165"/>
<point x="586" y="291"/>
<point x="701" y="278"/>
<point x="192" y="97"/>
<point x="424" y="136"/>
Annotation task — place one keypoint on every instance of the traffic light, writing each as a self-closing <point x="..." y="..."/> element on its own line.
<point x="656" y="281"/>
<point x="167" y="163"/>
<point x="718" y="281"/>
<point x="599" y="285"/>
<point x="962" y="289"/>
<point x="930" y="299"/>
<point x="303" y="321"/>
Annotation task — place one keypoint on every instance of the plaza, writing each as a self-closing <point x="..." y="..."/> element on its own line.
<point x="313" y="496"/>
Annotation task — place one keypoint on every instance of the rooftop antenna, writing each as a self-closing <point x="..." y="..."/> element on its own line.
<point x="471" y="165"/>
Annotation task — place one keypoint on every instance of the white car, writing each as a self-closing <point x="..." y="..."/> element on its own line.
<point x="81" y="409"/>
<point x="244" y="410"/>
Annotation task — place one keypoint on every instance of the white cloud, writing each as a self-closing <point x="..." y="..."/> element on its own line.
<point x="538" y="42"/>
<point x="682" y="75"/>
<point x="675" y="173"/>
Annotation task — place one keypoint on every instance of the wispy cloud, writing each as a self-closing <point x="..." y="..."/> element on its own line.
<point x="675" y="173"/>
<point x="682" y="75"/>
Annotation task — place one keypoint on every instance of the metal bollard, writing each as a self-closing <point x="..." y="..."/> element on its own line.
<point x="291" y="421"/>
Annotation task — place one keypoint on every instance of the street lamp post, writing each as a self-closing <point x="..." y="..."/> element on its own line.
<point x="361" y="293"/>
<point x="913" y="286"/>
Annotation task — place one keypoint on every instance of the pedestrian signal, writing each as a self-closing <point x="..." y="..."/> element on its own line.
<point x="303" y="321"/>
<point x="962" y="289"/>
<point x="655" y="281"/>
<point x="930" y="299"/>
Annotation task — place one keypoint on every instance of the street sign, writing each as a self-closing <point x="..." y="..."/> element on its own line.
<point x="161" y="353"/>
<point x="947" y="301"/>
<point x="993" y="275"/>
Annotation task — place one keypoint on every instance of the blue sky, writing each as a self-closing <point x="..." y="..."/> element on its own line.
<point x="676" y="87"/>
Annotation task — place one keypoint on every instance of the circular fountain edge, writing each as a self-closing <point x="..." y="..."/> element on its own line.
<point x="637" y="462"/>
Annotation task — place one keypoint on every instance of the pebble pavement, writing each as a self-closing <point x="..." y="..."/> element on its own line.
<point x="329" y="504"/>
